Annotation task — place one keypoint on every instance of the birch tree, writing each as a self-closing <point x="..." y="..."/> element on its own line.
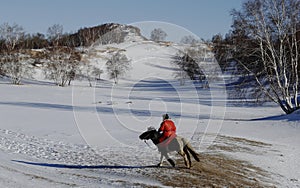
<point x="271" y="42"/>
<point x="62" y="65"/>
<point x="11" y="35"/>
<point x="55" y="33"/>
<point x="14" y="62"/>
<point x="117" y="66"/>
<point x="92" y="73"/>
<point x="17" y="66"/>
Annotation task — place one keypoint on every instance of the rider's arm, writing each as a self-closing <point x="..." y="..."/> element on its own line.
<point x="161" y="128"/>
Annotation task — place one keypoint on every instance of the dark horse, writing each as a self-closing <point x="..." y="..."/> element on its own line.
<point x="179" y="144"/>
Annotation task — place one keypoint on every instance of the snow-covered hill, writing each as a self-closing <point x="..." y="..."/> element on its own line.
<point x="81" y="136"/>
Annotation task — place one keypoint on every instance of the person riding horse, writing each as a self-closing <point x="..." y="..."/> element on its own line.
<point x="168" y="141"/>
<point x="168" y="131"/>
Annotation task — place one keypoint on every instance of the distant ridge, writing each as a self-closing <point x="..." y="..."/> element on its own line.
<point x="87" y="36"/>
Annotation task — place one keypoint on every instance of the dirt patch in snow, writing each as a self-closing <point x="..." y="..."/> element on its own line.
<point x="218" y="169"/>
<point x="214" y="171"/>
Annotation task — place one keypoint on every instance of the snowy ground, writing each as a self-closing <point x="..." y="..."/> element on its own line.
<point x="88" y="137"/>
<point x="42" y="146"/>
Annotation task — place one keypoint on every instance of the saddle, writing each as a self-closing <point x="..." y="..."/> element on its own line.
<point x="167" y="141"/>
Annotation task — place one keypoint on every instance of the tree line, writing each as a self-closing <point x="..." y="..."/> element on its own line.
<point x="14" y="37"/>
<point x="264" y="43"/>
<point x="57" y="52"/>
<point x="64" y="57"/>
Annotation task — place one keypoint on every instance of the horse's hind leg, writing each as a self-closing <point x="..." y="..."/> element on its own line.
<point x="188" y="157"/>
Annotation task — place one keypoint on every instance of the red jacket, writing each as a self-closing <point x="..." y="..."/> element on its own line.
<point x="168" y="129"/>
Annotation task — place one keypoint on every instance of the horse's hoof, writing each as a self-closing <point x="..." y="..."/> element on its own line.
<point x="159" y="164"/>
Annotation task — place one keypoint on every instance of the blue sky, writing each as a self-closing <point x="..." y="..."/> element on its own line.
<point x="204" y="18"/>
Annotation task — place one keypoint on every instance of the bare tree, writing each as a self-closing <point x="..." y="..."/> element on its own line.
<point x="14" y="62"/>
<point x="11" y="35"/>
<point x="180" y="60"/>
<point x="117" y="66"/>
<point x="2" y="69"/>
<point x="268" y="35"/>
<point x="116" y="35"/>
<point x="92" y="73"/>
<point x="158" y="35"/>
<point x="89" y="70"/>
<point x="189" y="39"/>
<point x="96" y="73"/>
<point x="191" y="64"/>
<point x="63" y="65"/>
<point x="55" y="33"/>
<point x="187" y="67"/>
<point x="17" y="66"/>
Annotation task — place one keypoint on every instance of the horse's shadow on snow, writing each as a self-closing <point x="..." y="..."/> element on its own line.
<point x="68" y="166"/>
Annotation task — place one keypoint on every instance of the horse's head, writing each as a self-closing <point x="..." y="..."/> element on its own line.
<point x="151" y="133"/>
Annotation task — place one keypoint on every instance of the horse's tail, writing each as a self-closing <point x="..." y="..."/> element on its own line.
<point x="191" y="150"/>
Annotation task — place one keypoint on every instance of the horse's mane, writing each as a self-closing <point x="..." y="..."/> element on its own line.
<point x="148" y="134"/>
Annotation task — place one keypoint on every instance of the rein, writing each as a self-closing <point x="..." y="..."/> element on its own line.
<point x="149" y="145"/>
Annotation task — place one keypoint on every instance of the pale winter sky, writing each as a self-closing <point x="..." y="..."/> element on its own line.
<point x="203" y="18"/>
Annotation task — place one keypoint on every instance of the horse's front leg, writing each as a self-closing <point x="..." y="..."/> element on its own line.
<point x="161" y="159"/>
<point x="162" y="155"/>
<point x="169" y="159"/>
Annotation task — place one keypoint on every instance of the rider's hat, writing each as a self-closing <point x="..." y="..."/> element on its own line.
<point x="165" y="116"/>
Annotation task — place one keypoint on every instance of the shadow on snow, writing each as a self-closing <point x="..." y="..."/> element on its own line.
<point x="99" y="109"/>
<point x="284" y="117"/>
<point x="68" y="166"/>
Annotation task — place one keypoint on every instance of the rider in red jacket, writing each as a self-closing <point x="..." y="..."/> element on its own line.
<point x="168" y="129"/>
